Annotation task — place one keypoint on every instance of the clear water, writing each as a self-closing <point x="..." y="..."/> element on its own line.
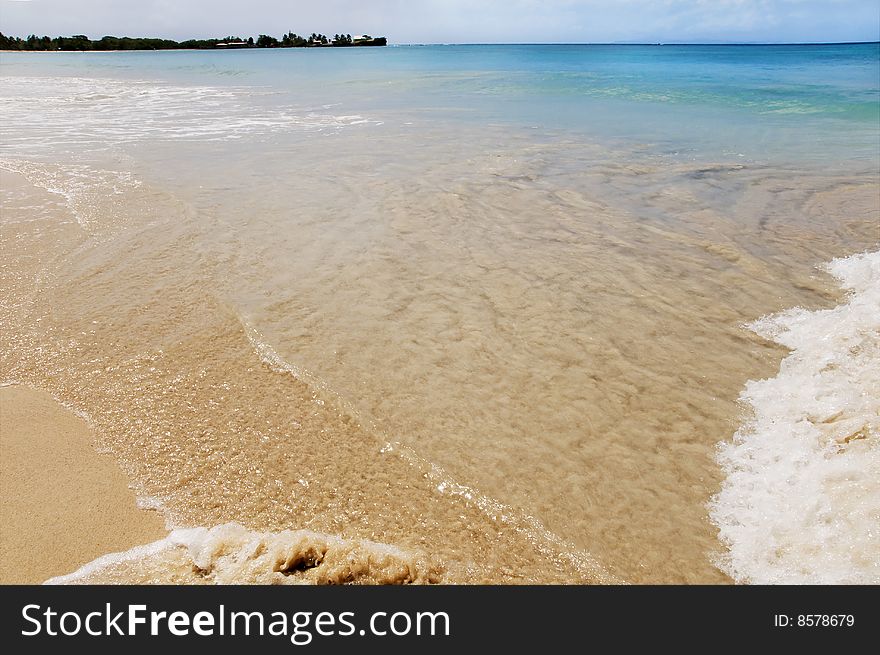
<point x="761" y="103"/>
<point x="486" y="304"/>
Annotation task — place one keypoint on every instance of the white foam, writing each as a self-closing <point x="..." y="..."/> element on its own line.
<point x="150" y="503"/>
<point x="801" y="501"/>
<point x="84" y="114"/>
<point x="138" y="553"/>
<point x="232" y="554"/>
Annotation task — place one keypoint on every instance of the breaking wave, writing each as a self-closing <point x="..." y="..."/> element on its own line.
<point x="801" y="501"/>
<point x="232" y="554"/>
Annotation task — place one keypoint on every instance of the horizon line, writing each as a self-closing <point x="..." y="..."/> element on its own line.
<point x="653" y="43"/>
<point x="458" y="43"/>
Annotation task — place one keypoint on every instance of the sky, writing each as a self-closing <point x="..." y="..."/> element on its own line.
<point x="457" y="21"/>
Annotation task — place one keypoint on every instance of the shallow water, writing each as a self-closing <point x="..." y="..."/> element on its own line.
<point x="486" y="306"/>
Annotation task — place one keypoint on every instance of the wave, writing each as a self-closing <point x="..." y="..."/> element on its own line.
<point x="85" y="113"/>
<point x="232" y="554"/>
<point x="549" y="544"/>
<point x="801" y="501"/>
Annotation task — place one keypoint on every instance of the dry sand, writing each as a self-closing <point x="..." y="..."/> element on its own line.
<point x="63" y="504"/>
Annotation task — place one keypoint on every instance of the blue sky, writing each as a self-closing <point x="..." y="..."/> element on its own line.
<point x="458" y="21"/>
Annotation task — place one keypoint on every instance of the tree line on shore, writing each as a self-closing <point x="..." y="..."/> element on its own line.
<point x="82" y="42"/>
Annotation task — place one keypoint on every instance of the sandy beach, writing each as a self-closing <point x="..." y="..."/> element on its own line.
<point x="64" y="504"/>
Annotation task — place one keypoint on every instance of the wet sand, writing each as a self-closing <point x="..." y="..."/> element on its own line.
<point x="64" y="504"/>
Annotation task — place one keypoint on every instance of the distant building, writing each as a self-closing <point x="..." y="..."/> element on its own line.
<point x="366" y="39"/>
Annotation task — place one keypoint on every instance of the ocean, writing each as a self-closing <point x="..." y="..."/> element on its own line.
<point x="508" y="314"/>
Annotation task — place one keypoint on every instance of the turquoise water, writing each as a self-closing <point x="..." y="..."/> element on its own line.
<point x="761" y="103"/>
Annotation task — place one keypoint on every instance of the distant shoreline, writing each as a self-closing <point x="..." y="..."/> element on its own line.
<point x="422" y="45"/>
<point x="82" y="43"/>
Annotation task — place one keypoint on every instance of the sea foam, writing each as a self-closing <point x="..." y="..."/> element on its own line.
<point x="75" y="114"/>
<point x="801" y="501"/>
<point x="232" y="554"/>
